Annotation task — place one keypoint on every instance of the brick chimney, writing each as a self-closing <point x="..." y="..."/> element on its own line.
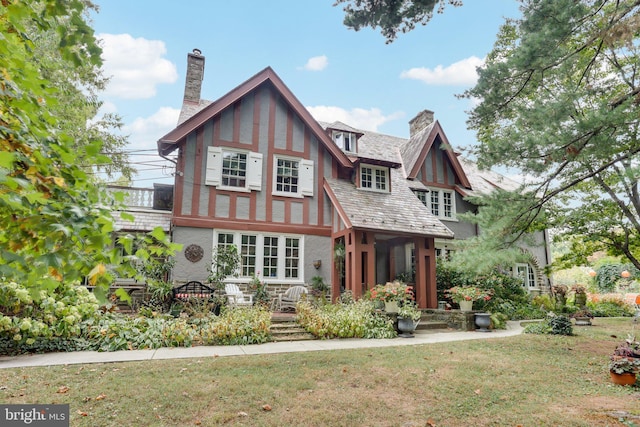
<point x="420" y="121"/>
<point x="195" y="74"/>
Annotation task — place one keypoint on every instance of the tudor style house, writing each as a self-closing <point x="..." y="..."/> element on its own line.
<point x="300" y="198"/>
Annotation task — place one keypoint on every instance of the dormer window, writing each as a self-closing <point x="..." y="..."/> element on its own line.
<point x="346" y="141"/>
<point x="374" y="178"/>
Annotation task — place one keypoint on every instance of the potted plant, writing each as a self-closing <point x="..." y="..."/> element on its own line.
<point x="408" y="318"/>
<point x="464" y="296"/>
<point x="319" y="289"/>
<point x="625" y="362"/>
<point x="583" y="317"/>
<point x="393" y="294"/>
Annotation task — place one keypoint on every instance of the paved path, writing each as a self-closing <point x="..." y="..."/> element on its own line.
<point x="426" y="337"/>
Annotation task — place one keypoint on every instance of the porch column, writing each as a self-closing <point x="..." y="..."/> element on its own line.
<point x="425" y="258"/>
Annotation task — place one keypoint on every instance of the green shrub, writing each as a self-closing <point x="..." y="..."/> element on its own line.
<point x="355" y="320"/>
<point x="540" y="328"/>
<point x="561" y="325"/>
<point x="553" y="324"/>
<point x="610" y="307"/>
<point x="50" y="314"/>
<point x="504" y="288"/>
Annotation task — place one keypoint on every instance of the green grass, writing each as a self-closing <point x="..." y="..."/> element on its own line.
<point x="528" y="380"/>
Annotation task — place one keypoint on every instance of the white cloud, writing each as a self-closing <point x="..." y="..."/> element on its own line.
<point x="317" y="63"/>
<point x="356" y="117"/>
<point x="136" y="65"/>
<point x="459" y="73"/>
<point x="144" y="132"/>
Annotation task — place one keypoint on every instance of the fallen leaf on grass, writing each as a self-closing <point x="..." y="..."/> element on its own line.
<point x="81" y="413"/>
<point x="242" y="414"/>
<point x="431" y="423"/>
<point x="197" y="422"/>
<point x="86" y="399"/>
<point x="62" y="389"/>
<point x="101" y="396"/>
<point x="266" y="407"/>
<point x="477" y="391"/>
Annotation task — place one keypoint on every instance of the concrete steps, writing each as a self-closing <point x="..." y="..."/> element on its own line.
<point x="284" y="328"/>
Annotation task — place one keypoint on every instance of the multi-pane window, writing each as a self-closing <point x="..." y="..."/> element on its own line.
<point x="248" y="255"/>
<point x="447" y="204"/>
<point x="292" y="257"/>
<point x="435" y="203"/>
<point x="527" y="274"/>
<point x="287" y="176"/>
<point x="234" y="169"/>
<point x="422" y="196"/>
<point x="374" y="178"/>
<point x="440" y="202"/>
<point x="270" y="257"/>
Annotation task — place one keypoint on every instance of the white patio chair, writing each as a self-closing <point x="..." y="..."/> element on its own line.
<point x="290" y="298"/>
<point x="236" y="297"/>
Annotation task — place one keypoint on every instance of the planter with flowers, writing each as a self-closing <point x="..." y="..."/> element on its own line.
<point x="392" y="294"/>
<point x="464" y="296"/>
<point x="625" y="362"/>
<point x="408" y="319"/>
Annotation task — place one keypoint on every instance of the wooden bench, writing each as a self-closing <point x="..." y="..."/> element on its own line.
<point x="193" y="289"/>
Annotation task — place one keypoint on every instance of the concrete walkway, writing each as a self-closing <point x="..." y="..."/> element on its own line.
<point x="80" y="357"/>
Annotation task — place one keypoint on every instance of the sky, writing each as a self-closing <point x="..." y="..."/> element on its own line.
<point x="337" y="73"/>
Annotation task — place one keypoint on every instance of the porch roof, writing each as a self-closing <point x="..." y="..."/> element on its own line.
<point x="398" y="211"/>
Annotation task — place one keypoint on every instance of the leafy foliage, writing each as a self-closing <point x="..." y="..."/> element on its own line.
<point x="552" y="324"/>
<point x="356" y="320"/>
<point x="559" y="103"/>
<point x="56" y="221"/>
<point x="392" y="16"/>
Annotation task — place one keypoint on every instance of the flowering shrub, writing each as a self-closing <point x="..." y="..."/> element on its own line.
<point x="50" y="314"/>
<point x="391" y="291"/>
<point x="468" y="293"/>
<point x="355" y="320"/>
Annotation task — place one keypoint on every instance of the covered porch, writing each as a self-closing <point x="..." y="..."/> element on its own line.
<point x="364" y="258"/>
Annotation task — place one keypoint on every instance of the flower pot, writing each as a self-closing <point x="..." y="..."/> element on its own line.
<point x="483" y="321"/>
<point x="391" y="306"/>
<point x="466" y="305"/>
<point x="626" y="378"/>
<point x="406" y="327"/>
<point x="583" y="321"/>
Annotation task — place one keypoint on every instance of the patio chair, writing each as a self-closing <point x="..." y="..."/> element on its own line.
<point x="236" y="297"/>
<point x="290" y="298"/>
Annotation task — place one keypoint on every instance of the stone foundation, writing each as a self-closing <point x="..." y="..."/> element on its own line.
<point x="456" y="319"/>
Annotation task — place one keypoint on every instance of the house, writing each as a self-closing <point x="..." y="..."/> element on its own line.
<point x="301" y="198"/>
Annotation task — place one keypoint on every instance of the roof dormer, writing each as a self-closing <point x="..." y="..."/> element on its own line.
<point x="346" y="141"/>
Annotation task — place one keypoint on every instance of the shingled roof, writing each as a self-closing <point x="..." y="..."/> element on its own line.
<point x="398" y="211"/>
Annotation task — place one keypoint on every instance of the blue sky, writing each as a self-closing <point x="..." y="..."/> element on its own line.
<point x="337" y="73"/>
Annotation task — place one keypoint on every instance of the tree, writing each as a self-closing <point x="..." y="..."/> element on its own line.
<point x="392" y="16"/>
<point x="55" y="221"/>
<point x="560" y="102"/>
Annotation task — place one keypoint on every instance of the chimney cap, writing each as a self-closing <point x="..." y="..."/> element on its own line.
<point x="197" y="52"/>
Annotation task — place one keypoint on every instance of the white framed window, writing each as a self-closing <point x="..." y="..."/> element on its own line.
<point x="527" y="274"/>
<point x="274" y="257"/>
<point x="292" y="176"/>
<point x="232" y="169"/>
<point x="346" y="141"/>
<point x="374" y="178"/>
<point x="442" y="203"/>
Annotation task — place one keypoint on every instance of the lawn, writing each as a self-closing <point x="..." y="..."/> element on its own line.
<point x="528" y="380"/>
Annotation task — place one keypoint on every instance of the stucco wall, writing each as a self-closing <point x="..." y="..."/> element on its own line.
<point x="185" y="270"/>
